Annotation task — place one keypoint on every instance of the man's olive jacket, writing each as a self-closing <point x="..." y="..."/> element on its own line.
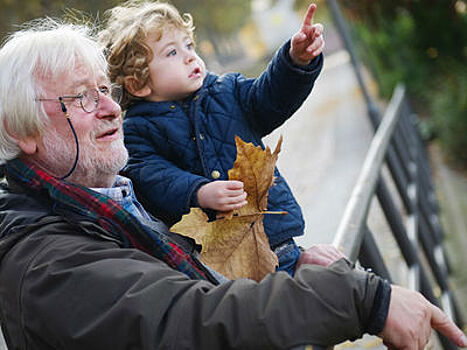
<point x="65" y="284"/>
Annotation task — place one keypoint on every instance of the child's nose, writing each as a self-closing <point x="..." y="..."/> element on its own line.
<point x="189" y="57"/>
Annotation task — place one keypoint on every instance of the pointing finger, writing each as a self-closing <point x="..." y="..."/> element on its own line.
<point x="308" y="20"/>
<point x="441" y="322"/>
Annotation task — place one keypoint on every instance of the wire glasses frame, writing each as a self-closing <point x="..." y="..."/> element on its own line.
<point x="88" y="100"/>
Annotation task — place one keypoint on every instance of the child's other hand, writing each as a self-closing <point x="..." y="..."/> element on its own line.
<point x="222" y="195"/>
<point x="308" y="42"/>
<point x="320" y="254"/>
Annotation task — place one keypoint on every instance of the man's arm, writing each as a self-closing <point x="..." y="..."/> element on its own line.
<point x="410" y="317"/>
<point x="78" y="292"/>
<point x="96" y="295"/>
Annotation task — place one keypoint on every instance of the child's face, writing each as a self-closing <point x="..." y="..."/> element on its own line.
<point x="176" y="70"/>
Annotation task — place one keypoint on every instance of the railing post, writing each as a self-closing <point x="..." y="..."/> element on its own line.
<point x="370" y="256"/>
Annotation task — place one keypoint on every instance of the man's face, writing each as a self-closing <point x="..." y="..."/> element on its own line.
<point x="176" y="70"/>
<point x="101" y="149"/>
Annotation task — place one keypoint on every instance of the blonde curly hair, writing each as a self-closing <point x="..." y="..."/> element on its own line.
<point x="124" y="38"/>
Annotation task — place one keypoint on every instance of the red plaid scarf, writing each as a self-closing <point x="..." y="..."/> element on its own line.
<point x="108" y="214"/>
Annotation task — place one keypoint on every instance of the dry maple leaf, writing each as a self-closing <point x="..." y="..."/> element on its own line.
<point x="237" y="245"/>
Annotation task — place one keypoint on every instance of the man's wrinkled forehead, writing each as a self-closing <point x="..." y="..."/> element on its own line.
<point x="82" y="75"/>
<point x="89" y="79"/>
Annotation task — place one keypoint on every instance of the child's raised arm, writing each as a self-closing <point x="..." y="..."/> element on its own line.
<point x="308" y="42"/>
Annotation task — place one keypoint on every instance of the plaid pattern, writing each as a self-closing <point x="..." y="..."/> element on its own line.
<point x="108" y="214"/>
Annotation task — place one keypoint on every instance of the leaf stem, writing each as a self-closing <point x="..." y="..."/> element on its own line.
<point x="274" y="212"/>
<point x="264" y="212"/>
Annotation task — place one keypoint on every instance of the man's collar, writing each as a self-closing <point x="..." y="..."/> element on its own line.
<point x="121" y="188"/>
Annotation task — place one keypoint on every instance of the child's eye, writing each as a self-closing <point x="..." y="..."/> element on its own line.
<point x="189" y="46"/>
<point x="172" y="52"/>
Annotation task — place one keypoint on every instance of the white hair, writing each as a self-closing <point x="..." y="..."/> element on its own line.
<point x="45" y="48"/>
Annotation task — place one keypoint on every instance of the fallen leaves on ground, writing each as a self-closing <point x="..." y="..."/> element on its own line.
<point x="236" y="245"/>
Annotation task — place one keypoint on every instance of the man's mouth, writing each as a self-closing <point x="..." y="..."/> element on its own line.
<point x="111" y="133"/>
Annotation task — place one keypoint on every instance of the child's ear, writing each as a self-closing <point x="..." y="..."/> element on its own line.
<point x="132" y="87"/>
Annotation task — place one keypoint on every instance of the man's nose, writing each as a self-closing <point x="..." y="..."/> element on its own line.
<point x="108" y="108"/>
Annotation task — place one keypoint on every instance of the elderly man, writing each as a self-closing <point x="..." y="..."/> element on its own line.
<point x="83" y="266"/>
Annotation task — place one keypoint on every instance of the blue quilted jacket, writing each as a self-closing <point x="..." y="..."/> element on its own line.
<point x="175" y="147"/>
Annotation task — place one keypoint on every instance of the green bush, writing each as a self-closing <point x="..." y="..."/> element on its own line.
<point x="422" y="45"/>
<point x="449" y="111"/>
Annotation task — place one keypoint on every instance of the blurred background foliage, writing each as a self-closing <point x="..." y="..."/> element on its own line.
<point x="420" y="42"/>
<point x="423" y="44"/>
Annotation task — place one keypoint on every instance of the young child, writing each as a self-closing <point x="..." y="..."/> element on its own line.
<point x="181" y="120"/>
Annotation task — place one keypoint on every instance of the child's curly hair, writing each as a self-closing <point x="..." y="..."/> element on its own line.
<point x="124" y="37"/>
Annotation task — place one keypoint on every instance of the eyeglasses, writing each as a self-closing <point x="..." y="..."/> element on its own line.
<point x="88" y="100"/>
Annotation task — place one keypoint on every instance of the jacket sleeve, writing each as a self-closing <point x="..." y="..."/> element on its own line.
<point x="97" y="296"/>
<point x="153" y="174"/>
<point x="278" y="92"/>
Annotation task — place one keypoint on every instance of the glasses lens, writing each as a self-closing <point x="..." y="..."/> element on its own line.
<point x="90" y="100"/>
<point x="116" y="93"/>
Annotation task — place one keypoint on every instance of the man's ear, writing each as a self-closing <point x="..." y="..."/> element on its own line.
<point x="132" y="86"/>
<point x="28" y="145"/>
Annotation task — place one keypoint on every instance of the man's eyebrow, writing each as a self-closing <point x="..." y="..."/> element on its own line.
<point x="101" y="78"/>
<point x="80" y="82"/>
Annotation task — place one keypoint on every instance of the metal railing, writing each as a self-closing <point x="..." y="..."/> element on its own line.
<point x="398" y="145"/>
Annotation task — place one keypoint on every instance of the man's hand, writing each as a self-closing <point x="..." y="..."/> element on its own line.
<point x="411" y="318"/>
<point x="320" y="254"/>
<point x="222" y="195"/>
<point x="308" y="42"/>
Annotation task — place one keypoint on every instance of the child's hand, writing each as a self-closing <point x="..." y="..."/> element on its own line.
<point x="308" y="42"/>
<point x="222" y="195"/>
